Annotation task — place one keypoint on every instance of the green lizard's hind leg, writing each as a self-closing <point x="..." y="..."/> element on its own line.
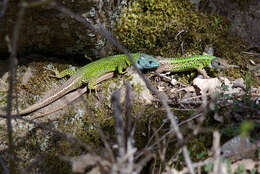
<point x="121" y="67"/>
<point x="90" y="81"/>
<point x="91" y="84"/>
<point x="66" y="72"/>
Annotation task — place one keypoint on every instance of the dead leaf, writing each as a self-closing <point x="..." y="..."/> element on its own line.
<point x="207" y="86"/>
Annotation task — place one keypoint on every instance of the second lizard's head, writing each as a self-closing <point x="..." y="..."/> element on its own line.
<point x="146" y="61"/>
<point x="218" y="63"/>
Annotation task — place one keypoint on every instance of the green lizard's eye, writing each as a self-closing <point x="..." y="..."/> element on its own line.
<point x="150" y="62"/>
<point x="138" y="61"/>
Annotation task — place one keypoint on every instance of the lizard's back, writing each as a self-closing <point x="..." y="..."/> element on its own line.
<point x="186" y="63"/>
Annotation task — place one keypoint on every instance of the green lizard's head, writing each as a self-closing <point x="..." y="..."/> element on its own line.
<point x="146" y="61"/>
<point x="218" y="63"/>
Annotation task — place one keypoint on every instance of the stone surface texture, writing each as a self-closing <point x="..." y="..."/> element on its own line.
<point x="46" y="30"/>
<point x="244" y="17"/>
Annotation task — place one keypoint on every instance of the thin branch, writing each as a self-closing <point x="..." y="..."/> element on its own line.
<point x="119" y="125"/>
<point x="129" y="128"/>
<point x="128" y="122"/>
<point x="216" y="148"/>
<point x="142" y="163"/>
<point x="107" y="146"/>
<point x="12" y="71"/>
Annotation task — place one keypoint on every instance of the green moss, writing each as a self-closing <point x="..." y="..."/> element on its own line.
<point x="163" y="25"/>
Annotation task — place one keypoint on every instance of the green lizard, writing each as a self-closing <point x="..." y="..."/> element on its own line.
<point x="192" y="63"/>
<point x="89" y="73"/>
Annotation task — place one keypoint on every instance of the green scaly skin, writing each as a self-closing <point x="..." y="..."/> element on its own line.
<point x="192" y="63"/>
<point x="89" y="73"/>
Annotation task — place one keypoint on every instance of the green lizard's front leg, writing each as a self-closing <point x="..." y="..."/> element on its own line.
<point x="66" y="72"/>
<point x="203" y="72"/>
<point x="123" y="66"/>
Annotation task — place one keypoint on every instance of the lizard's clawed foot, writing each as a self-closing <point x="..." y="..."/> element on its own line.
<point x="54" y="70"/>
<point x="66" y="72"/>
<point x="203" y="72"/>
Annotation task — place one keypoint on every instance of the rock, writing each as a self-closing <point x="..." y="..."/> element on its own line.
<point x="244" y="17"/>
